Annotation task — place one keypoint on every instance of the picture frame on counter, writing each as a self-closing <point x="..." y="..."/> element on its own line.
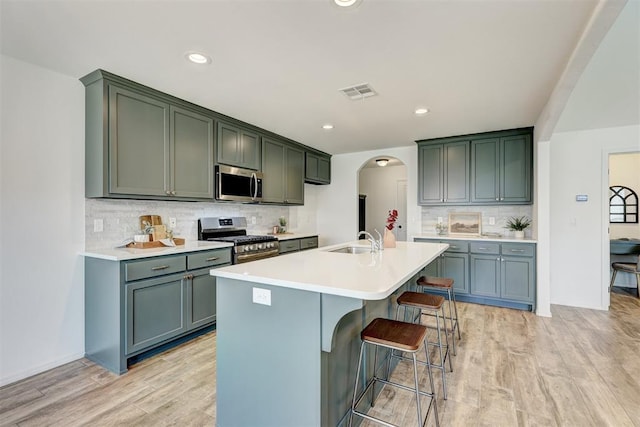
<point x="465" y="223"/>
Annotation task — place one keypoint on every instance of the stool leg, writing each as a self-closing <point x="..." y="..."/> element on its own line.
<point x="638" y="283"/>
<point x="613" y="278"/>
<point x="415" y="376"/>
<point x="431" y="383"/>
<point x="373" y="387"/>
<point x="451" y="322"/>
<point x="355" y="387"/>
<point x="446" y="338"/>
<point x="444" y="378"/>
<point x="455" y="308"/>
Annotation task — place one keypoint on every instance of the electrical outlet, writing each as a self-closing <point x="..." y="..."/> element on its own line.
<point x="492" y="221"/>
<point x="98" y="225"/>
<point x="253" y="220"/>
<point x="439" y="220"/>
<point x="172" y="223"/>
<point x="262" y="296"/>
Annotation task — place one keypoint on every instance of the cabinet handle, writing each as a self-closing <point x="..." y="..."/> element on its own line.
<point x="517" y="250"/>
<point x="482" y="249"/>
<point x="453" y="247"/>
<point x="213" y="258"/>
<point x="498" y="259"/>
<point x="168" y="193"/>
<point x="501" y="198"/>
<point x="497" y="199"/>
<point x="160" y="267"/>
<point x="173" y="193"/>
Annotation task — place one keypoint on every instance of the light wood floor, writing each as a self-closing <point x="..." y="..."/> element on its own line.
<point x="578" y="368"/>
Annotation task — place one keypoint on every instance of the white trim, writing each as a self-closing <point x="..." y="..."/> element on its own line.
<point x="40" y="368"/>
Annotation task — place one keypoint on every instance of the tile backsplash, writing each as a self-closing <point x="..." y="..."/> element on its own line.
<point x="121" y="218"/>
<point x="501" y="214"/>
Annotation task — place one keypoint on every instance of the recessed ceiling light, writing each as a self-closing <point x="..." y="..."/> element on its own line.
<point x="198" y="58"/>
<point x="327" y="126"/>
<point x="346" y="3"/>
<point x="421" y="111"/>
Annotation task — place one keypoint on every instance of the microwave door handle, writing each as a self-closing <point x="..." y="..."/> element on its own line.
<point x="254" y="181"/>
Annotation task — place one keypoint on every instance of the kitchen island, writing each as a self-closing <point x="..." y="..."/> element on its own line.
<point x="288" y="330"/>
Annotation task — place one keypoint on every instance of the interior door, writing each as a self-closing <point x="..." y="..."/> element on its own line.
<point x="401" y="203"/>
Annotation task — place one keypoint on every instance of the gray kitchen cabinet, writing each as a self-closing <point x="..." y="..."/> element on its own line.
<point x="134" y="306"/>
<point x="295" y="245"/>
<point x="317" y="168"/>
<point x="501" y="169"/>
<point x="140" y="143"/>
<point x="488" y="272"/>
<point x="443" y="173"/>
<point x="238" y="147"/>
<point x="283" y="171"/>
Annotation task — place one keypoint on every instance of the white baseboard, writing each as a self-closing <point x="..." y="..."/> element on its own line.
<point x="39" y="369"/>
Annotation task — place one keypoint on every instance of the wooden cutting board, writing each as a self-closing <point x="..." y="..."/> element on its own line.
<point x="151" y="219"/>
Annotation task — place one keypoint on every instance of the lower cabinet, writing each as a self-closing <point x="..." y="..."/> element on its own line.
<point x="295" y="245"/>
<point x="492" y="273"/>
<point x="137" y="305"/>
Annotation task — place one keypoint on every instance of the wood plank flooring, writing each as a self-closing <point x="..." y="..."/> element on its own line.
<point x="579" y="368"/>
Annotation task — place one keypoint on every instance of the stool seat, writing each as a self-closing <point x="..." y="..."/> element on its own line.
<point x="392" y="333"/>
<point x="436" y="282"/>
<point x="630" y="268"/>
<point x="421" y="300"/>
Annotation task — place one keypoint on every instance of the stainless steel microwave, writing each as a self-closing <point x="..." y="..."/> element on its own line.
<point x="240" y="185"/>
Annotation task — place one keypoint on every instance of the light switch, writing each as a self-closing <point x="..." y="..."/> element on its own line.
<point x="172" y="223"/>
<point x="492" y="220"/>
<point x="439" y="220"/>
<point x="98" y="225"/>
<point x="262" y="296"/>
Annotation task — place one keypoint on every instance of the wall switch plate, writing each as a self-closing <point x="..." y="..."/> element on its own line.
<point x="98" y="225"/>
<point x="439" y="220"/>
<point x="253" y="220"/>
<point x="172" y="223"/>
<point x="492" y="220"/>
<point x="262" y="296"/>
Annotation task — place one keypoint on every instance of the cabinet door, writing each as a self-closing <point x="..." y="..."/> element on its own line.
<point x="201" y="299"/>
<point x="238" y="147"/>
<point x="485" y="275"/>
<point x="515" y="164"/>
<point x="456" y="173"/>
<point x="138" y="144"/>
<point x="517" y="279"/>
<point x="324" y="169"/>
<point x="430" y="174"/>
<point x="294" y="176"/>
<point x="273" y="166"/>
<point x="249" y="149"/>
<point x="485" y="176"/>
<point x="317" y="169"/>
<point x="455" y="266"/>
<point x="192" y="154"/>
<point x="155" y="311"/>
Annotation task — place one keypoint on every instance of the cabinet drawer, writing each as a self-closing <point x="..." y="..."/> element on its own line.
<point x="289" y="246"/>
<point x="154" y="267"/>
<point x="208" y="258"/>
<point x="308" y="243"/>
<point x="456" y="245"/>
<point x="518" y="249"/>
<point x="485" y="248"/>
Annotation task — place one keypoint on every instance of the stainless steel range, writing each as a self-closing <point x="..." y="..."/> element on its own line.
<point x="234" y="230"/>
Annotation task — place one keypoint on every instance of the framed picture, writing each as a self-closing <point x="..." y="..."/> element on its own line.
<point x="465" y="223"/>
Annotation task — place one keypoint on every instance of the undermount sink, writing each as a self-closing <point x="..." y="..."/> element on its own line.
<point x="351" y="250"/>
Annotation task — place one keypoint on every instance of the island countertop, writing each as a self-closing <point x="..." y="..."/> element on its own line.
<point x="368" y="276"/>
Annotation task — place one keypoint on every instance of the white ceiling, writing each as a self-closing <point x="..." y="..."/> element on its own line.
<point x="478" y="65"/>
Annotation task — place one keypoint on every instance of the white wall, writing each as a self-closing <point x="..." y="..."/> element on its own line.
<point x="337" y="218"/>
<point x="42" y="227"/>
<point x="380" y="185"/>
<point x="579" y="246"/>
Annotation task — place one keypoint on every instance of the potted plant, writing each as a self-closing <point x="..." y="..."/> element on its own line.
<point x="283" y="224"/>
<point x="441" y="228"/>
<point x="145" y="233"/>
<point x="518" y="225"/>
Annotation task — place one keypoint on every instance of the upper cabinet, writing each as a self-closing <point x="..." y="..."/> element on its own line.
<point x="283" y="171"/>
<point x="480" y="169"/>
<point x="141" y="145"/>
<point x="443" y="173"/>
<point x="317" y="168"/>
<point x="238" y="147"/>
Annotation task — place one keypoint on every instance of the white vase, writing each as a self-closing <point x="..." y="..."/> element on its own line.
<point x="389" y="239"/>
<point x="519" y="234"/>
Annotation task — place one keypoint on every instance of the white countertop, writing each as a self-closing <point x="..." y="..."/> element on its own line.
<point x="123" y="254"/>
<point x="294" y="235"/>
<point x="364" y="276"/>
<point x="502" y="239"/>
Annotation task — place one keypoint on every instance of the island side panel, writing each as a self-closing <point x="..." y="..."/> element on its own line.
<point x="268" y="357"/>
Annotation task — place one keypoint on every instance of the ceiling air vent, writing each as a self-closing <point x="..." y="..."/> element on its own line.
<point x="360" y="91"/>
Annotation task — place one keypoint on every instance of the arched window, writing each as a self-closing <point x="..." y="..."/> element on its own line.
<point x="623" y="204"/>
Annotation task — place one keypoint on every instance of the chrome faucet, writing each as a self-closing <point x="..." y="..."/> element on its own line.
<point x="374" y="244"/>
<point x="380" y="244"/>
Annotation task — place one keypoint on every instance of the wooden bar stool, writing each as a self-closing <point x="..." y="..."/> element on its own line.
<point x="444" y="283"/>
<point x="395" y="335"/>
<point x="433" y="305"/>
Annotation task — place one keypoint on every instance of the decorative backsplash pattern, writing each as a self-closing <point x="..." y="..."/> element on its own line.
<point x="120" y="218"/>
<point x="501" y="214"/>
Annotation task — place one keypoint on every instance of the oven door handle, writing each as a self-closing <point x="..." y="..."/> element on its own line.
<point x="256" y="256"/>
